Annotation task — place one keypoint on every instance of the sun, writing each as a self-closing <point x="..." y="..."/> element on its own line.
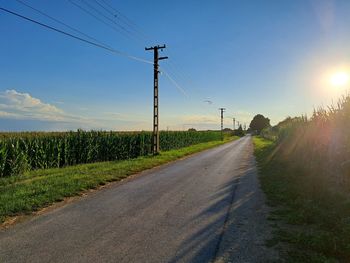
<point x="340" y="79"/>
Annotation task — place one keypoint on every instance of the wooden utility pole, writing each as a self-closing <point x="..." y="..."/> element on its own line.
<point x="234" y="123"/>
<point x="155" y="139"/>
<point x="222" y="122"/>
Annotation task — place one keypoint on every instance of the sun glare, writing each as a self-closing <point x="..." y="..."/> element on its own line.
<point x="340" y="79"/>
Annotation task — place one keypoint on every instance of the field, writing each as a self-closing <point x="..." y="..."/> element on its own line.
<point x="304" y="170"/>
<point x="320" y="145"/>
<point x="20" y="152"/>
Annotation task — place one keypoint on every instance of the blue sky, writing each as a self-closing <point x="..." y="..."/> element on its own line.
<point x="271" y="57"/>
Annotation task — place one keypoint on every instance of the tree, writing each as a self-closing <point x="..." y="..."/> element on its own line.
<point x="259" y="123"/>
<point x="239" y="131"/>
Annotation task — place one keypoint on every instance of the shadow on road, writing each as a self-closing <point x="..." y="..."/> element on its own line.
<point x="208" y="239"/>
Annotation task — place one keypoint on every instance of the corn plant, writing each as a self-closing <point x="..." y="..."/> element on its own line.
<point x="24" y="151"/>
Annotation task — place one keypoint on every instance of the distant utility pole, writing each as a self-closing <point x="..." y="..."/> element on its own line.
<point x="238" y="124"/>
<point x="234" y="123"/>
<point x="222" y="122"/>
<point x="155" y="141"/>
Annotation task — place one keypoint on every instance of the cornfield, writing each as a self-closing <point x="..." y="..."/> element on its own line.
<point x="319" y="145"/>
<point x="26" y="151"/>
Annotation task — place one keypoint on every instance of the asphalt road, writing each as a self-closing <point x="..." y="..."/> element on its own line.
<point x="181" y="212"/>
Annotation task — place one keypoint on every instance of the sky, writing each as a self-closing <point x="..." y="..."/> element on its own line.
<point x="271" y="57"/>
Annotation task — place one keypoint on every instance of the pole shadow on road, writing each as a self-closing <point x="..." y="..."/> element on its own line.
<point x="239" y="229"/>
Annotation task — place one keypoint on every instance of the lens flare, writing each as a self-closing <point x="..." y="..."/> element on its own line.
<point x="340" y="79"/>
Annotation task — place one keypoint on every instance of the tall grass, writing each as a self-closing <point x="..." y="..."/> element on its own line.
<point x="306" y="175"/>
<point x="319" y="145"/>
<point x="21" y="152"/>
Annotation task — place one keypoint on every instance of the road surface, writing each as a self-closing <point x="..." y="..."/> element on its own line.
<point x="204" y="208"/>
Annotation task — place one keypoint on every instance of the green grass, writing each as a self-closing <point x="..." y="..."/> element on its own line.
<point x="40" y="188"/>
<point x="311" y="218"/>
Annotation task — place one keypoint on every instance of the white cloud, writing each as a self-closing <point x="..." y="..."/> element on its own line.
<point x="22" y="106"/>
<point x="18" y="105"/>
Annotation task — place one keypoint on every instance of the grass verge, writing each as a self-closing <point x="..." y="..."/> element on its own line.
<point x="311" y="218"/>
<point x="40" y="188"/>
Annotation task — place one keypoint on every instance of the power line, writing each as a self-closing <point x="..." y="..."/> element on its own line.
<point x="76" y="37"/>
<point x="106" y="9"/>
<point x="175" y="83"/>
<point x="175" y="73"/>
<point x="103" y="15"/>
<point x="62" y="23"/>
<point x="95" y="41"/>
<point x="126" y="19"/>
<point x="166" y="69"/>
<point x="172" y="67"/>
<point x="97" y="18"/>
<point x="167" y="73"/>
<point x="178" y="69"/>
<point x="117" y="14"/>
<point x="118" y="17"/>
<point x="124" y="31"/>
<point x="208" y="111"/>
<point x="175" y="68"/>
